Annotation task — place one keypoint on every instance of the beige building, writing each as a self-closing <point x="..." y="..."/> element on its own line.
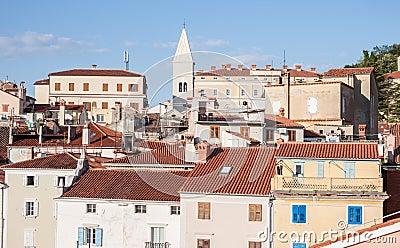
<point x="320" y="187"/>
<point x="99" y="90"/>
<point x="13" y="100"/>
<point x="29" y="209"/>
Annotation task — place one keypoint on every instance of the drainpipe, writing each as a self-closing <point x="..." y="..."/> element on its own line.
<point x="271" y="198"/>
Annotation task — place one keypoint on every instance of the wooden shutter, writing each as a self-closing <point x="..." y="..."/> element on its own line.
<point x="320" y="169"/>
<point x="99" y="236"/>
<point x="81" y="235"/>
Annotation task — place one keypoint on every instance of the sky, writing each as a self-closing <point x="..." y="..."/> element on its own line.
<point x="43" y="36"/>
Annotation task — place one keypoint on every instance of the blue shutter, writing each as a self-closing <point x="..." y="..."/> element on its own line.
<point x="81" y="235"/>
<point x="320" y="171"/>
<point x="349" y="170"/>
<point x="302" y="214"/>
<point x="295" y="213"/>
<point x="99" y="236"/>
<point x="354" y="215"/>
<point x="298" y="245"/>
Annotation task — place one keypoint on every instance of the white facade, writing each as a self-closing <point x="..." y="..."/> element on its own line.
<point x="121" y="226"/>
<point x="229" y="224"/>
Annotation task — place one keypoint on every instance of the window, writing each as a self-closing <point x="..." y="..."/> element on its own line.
<point x="321" y="131"/>
<point x="4" y="108"/>
<point x="133" y="87"/>
<point x="104" y="105"/>
<point x="270" y="135"/>
<point x="225" y="170"/>
<point x="29" y="238"/>
<point x="245" y="131"/>
<point x="157" y="236"/>
<point x="85" y="86"/>
<point x="203" y="210"/>
<point x="320" y="169"/>
<point x="180" y="87"/>
<point x="202" y="78"/>
<point x="299" y="245"/>
<point x="349" y="169"/>
<point x="30" y="181"/>
<point x="228" y="92"/>
<point x="88" y="106"/>
<point x="60" y="181"/>
<point x="71" y="103"/>
<point x="184" y="87"/>
<point x="299" y="214"/>
<point x="90" y="235"/>
<point x="175" y="210"/>
<point x="292" y="135"/>
<point x="203" y="243"/>
<point x="255" y="212"/>
<point x="215" y="78"/>
<point x="214" y="132"/>
<point x="100" y="118"/>
<point x="215" y="92"/>
<point x="354" y="215"/>
<point x="105" y="86"/>
<point x="57" y="86"/>
<point x="254" y="244"/>
<point x="134" y="105"/>
<point x="119" y="87"/>
<point x="140" y="209"/>
<point x="71" y="86"/>
<point x="298" y="169"/>
<point x="30" y="208"/>
<point x="90" y="208"/>
<point x="243" y="92"/>
<point x="255" y="92"/>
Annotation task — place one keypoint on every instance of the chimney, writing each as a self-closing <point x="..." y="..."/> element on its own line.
<point x="313" y="69"/>
<point x="40" y="134"/>
<point x="228" y="66"/>
<point x="213" y="68"/>
<point x="279" y="142"/>
<point x="94" y="66"/>
<point x="190" y="150"/>
<point x="268" y="67"/>
<point x="285" y="67"/>
<point x="85" y="135"/>
<point x="203" y="151"/>
<point x="22" y="91"/>
<point x="390" y="145"/>
<point x="240" y="67"/>
<point x="282" y="112"/>
<point x="82" y="161"/>
<point x="298" y="67"/>
<point x="223" y="66"/>
<point x="61" y="114"/>
<point x="361" y="131"/>
<point x="200" y="71"/>
<point x="253" y="67"/>
<point x="10" y="137"/>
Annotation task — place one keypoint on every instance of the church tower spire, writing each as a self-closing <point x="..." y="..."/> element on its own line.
<point x="183" y="72"/>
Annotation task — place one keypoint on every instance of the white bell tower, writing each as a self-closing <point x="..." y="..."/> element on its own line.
<point x="183" y="69"/>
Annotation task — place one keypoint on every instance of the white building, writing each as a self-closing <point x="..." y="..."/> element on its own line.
<point x="99" y="90"/>
<point x="121" y="208"/>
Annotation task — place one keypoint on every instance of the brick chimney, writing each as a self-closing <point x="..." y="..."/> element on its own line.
<point x="298" y="67"/>
<point x="268" y="67"/>
<point x="361" y="131"/>
<point x="213" y="68"/>
<point x="240" y="67"/>
<point x="228" y="66"/>
<point x="313" y="69"/>
<point x="203" y="151"/>
<point x="253" y="67"/>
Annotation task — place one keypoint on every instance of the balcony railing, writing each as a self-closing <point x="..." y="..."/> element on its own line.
<point x="327" y="184"/>
<point x="157" y="245"/>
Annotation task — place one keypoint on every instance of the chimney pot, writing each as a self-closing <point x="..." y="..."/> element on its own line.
<point x="313" y="69"/>
<point x="228" y="66"/>
<point x="240" y="67"/>
<point x="268" y="67"/>
<point x="298" y="67"/>
<point x="253" y="67"/>
<point x="213" y="68"/>
<point x="94" y="66"/>
<point x="282" y="112"/>
<point x="223" y="66"/>
<point x="285" y="67"/>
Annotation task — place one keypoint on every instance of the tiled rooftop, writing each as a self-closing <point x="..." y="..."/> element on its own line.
<point x="96" y="72"/>
<point x="251" y="173"/>
<point x="58" y="161"/>
<point x="42" y="82"/>
<point x="140" y="185"/>
<point x="280" y="121"/>
<point x="393" y="75"/>
<point x="359" y="150"/>
<point x="344" y="72"/>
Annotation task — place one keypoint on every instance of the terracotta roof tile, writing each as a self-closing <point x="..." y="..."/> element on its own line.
<point x="251" y="173"/>
<point x="312" y="134"/>
<point x="100" y="136"/>
<point x="368" y="229"/>
<point x="280" y="121"/>
<point x="4" y="138"/>
<point x="303" y="73"/>
<point x="26" y="142"/>
<point x="226" y="73"/>
<point x="169" y="154"/>
<point x="393" y="75"/>
<point x="141" y="185"/>
<point x="42" y="82"/>
<point x="243" y="137"/>
<point x="329" y="150"/>
<point x="344" y="72"/>
<point x="58" y="161"/>
<point x="96" y="72"/>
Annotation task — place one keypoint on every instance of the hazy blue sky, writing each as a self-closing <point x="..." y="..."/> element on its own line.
<point x="43" y="36"/>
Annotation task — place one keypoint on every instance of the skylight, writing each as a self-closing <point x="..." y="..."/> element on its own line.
<point x="225" y="170"/>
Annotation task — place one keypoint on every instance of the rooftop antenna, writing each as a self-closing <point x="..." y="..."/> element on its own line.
<point x="126" y="60"/>
<point x="184" y="23"/>
<point x="284" y="57"/>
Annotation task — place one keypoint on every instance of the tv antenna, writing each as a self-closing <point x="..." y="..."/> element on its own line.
<point x="126" y="60"/>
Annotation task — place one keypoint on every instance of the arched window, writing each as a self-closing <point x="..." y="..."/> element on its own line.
<point x="185" y="87"/>
<point x="180" y="86"/>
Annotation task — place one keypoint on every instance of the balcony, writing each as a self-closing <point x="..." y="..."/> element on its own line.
<point x="327" y="184"/>
<point x="157" y="245"/>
